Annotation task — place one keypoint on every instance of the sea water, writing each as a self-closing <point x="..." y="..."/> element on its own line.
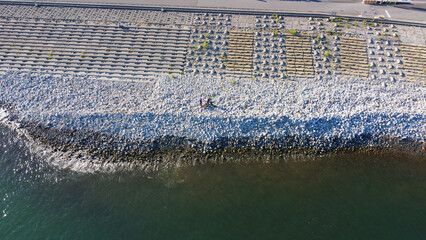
<point x="341" y="196"/>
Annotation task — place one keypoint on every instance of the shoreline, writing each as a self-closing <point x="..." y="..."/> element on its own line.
<point x="120" y="149"/>
<point x="47" y="143"/>
<point x="111" y="138"/>
<point x="89" y="158"/>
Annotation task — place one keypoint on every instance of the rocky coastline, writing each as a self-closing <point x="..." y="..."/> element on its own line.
<point x="45" y="107"/>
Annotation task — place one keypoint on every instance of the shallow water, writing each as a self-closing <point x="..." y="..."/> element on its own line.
<point x="345" y="196"/>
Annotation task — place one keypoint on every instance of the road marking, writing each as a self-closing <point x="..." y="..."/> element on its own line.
<point x="387" y="13"/>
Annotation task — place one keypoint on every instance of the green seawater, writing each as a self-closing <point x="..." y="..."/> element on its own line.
<point x="343" y="196"/>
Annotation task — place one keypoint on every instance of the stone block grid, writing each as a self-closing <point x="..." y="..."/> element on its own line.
<point x="93" y="49"/>
<point x="242" y="22"/>
<point x="207" y="51"/>
<point x="269" y="51"/>
<point x="240" y="53"/>
<point x="385" y="59"/>
<point x="325" y="51"/>
<point x="411" y="34"/>
<point x="213" y="20"/>
<point x="353" y="55"/>
<point x="269" y="54"/>
<point x="414" y="61"/>
<point x="96" y="14"/>
<point x="269" y="22"/>
<point x="299" y="55"/>
<point x="383" y="51"/>
<point x="273" y="55"/>
<point x="300" y="23"/>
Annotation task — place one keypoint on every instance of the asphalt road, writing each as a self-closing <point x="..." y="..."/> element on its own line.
<point x="415" y="12"/>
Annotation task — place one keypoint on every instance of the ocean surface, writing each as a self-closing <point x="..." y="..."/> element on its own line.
<point x="343" y="196"/>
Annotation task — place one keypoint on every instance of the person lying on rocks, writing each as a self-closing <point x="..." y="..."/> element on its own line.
<point x="209" y="103"/>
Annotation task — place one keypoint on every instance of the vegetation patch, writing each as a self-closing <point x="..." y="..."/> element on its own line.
<point x="293" y="32"/>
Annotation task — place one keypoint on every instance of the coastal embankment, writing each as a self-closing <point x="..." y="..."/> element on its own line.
<point x="125" y="84"/>
<point x="146" y="121"/>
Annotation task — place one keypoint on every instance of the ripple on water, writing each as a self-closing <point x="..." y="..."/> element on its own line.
<point x="326" y="197"/>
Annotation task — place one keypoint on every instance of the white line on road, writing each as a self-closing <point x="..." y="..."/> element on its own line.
<point x="387" y="13"/>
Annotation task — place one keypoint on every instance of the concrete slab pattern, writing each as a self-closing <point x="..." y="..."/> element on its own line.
<point x="269" y="54"/>
<point x="207" y="51"/>
<point x="269" y="22"/>
<point x="213" y="20"/>
<point x="353" y="55"/>
<point x="240" y="52"/>
<point x="108" y="15"/>
<point x="414" y="61"/>
<point x="137" y="52"/>
<point x="243" y="21"/>
<point x="412" y="35"/>
<point x="274" y="54"/>
<point x="299" y="55"/>
<point x="325" y="52"/>
<point x="301" y="24"/>
<point x="383" y="50"/>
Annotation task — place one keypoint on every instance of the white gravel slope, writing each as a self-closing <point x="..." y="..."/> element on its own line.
<point x="319" y="110"/>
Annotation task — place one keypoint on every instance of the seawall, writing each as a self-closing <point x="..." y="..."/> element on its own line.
<point x="75" y="80"/>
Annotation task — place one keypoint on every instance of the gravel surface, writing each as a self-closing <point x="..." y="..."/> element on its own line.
<point x="314" y="112"/>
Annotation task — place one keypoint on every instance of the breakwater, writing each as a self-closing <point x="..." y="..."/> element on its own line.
<point x="121" y="120"/>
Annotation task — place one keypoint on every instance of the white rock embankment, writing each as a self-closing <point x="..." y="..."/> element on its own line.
<point x="316" y="112"/>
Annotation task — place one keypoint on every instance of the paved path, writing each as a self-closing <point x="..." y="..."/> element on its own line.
<point x="414" y="12"/>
